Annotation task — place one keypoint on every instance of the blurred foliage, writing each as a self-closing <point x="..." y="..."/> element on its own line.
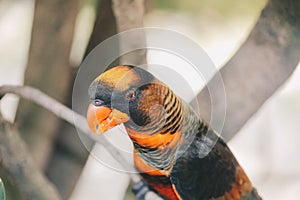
<point x="228" y="8"/>
<point x="2" y="190"/>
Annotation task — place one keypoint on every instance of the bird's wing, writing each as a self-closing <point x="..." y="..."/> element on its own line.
<point x="217" y="175"/>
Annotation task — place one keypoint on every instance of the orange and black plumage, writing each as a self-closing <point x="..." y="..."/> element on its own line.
<point x="177" y="153"/>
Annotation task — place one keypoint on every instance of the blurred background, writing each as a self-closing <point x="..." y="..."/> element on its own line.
<point x="268" y="146"/>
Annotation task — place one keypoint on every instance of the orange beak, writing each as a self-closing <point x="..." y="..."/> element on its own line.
<point x="101" y="118"/>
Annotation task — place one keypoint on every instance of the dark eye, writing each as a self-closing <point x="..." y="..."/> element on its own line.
<point x="97" y="102"/>
<point x="130" y="95"/>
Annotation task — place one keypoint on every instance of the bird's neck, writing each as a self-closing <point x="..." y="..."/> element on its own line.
<point x="160" y="149"/>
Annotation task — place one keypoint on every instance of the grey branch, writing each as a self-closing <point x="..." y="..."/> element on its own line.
<point x="129" y="15"/>
<point x="262" y="64"/>
<point x="69" y="115"/>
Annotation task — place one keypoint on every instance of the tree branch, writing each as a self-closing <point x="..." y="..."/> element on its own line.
<point x="68" y="115"/>
<point x="261" y="65"/>
<point x="129" y="15"/>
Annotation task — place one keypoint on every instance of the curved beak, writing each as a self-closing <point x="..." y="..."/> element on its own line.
<point x="102" y="118"/>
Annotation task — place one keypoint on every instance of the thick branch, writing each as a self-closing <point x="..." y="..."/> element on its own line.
<point x="20" y="168"/>
<point x="129" y="15"/>
<point x="262" y="64"/>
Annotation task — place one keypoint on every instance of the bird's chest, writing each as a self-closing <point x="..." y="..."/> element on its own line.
<point x="158" y="180"/>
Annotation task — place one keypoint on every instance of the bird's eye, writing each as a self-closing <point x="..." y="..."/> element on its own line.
<point x="97" y="102"/>
<point x="130" y="95"/>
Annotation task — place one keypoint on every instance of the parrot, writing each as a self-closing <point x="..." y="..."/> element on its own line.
<point x="176" y="152"/>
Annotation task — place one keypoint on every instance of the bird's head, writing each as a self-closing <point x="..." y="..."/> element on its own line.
<point x="129" y="95"/>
